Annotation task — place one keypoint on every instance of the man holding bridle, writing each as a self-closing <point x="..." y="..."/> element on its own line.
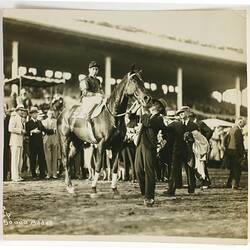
<point x="146" y="152"/>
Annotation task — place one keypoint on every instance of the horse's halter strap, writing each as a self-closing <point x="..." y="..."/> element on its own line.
<point x="132" y="106"/>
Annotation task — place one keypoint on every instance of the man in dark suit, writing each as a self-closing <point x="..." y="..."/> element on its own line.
<point x="235" y="152"/>
<point x="146" y="151"/>
<point x="181" y="154"/>
<point x="34" y="129"/>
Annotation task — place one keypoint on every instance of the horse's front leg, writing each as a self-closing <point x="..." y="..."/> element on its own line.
<point x="115" y="172"/>
<point x="98" y="166"/>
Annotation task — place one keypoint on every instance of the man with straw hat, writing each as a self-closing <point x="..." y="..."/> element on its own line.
<point x="17" y="131"/>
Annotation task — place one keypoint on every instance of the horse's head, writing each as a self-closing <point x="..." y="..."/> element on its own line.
<point x="135" y="86"/>
<point x="58" y="103"/>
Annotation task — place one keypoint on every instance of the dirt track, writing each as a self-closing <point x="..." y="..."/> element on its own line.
<point x="43" y="207"/>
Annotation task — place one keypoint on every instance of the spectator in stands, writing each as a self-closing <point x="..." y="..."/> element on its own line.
<point x="17" y="131"/>
<point x="34" y="129"/>
<point x="50" y="145"/>
<point x="235" y="153"/>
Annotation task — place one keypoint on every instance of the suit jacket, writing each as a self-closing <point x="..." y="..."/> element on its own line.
<point x="6" y="131"/>
<point x="150" y="128"/>
<point x="36" y="140"/>
<point x="16" y="127"/>
<point x="180" y="149"/>
<point x="235" y="142"/>
<point x="205" y="130"/>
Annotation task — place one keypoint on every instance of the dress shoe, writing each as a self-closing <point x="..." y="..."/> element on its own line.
<point x="149" y="202"/>
<point x="168" y="193"/>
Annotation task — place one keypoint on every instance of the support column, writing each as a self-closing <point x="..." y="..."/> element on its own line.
<point x="238" y="97"/>
<point x="107" y="75"/>
<point x="14" y="64"/>
<point x="180" y="90"/>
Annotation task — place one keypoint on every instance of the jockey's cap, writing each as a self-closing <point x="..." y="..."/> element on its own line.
<point x="94" y="64"/>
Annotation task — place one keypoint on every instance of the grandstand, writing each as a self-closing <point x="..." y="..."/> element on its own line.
<point x="184" y="70"/>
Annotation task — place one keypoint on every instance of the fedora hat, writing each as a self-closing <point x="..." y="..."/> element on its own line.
<point x="163" y="103"/>
<point x="33" y="110"/>
<point x="94" y="64"/>
<point x="20" y="107"/>
<point x="183" y="109"/>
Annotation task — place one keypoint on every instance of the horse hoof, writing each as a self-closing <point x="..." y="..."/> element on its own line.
<point x="70" y="190"/>
<point x="93" y="190"/>
<point x="116" y="193"/>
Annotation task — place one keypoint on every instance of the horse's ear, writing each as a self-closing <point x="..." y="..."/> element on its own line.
<point x="132" y="69"/>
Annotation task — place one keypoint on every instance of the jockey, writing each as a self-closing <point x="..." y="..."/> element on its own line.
<point x="91" y="85"/>
<point x="91" y="90"/>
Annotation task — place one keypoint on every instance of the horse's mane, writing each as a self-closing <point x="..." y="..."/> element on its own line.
<point x="117" y="94"/>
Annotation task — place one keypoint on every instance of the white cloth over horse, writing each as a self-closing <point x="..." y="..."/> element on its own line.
<point x="201" y="150"/>
<point x="89" y="102"/>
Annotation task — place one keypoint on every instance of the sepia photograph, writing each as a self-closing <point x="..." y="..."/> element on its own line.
<point x="125" y="125"/>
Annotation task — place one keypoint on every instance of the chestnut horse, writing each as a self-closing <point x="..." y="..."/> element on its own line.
<point x="108" y="127"/>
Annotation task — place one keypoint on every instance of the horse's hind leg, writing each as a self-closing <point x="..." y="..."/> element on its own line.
<point x="88" y="154"/>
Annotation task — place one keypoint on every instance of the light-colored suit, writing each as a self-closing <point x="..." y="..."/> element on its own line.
<point x="50" y="147"/>
<point x="16" y="128"/>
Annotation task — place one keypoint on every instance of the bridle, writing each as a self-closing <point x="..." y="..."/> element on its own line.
<point x="134" y="103"/>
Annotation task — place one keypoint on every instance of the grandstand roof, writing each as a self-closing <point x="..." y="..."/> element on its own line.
<point x="215" y="34"/>
<point x="211" y="56"/>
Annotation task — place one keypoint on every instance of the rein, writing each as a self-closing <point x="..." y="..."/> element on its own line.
<point x="122" y="114"/>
